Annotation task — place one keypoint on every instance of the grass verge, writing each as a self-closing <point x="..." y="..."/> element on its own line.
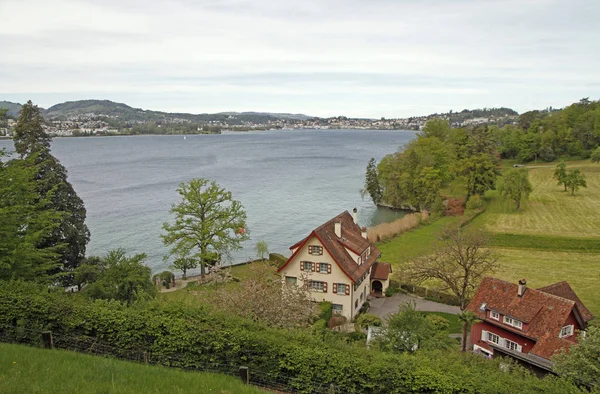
<point x="455" y="326"/>
<point x="25" y="369"/>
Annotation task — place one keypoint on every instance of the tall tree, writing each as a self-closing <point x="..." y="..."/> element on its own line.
<point x="26" y="223"/>
<point x="372" y="185"/>
<point x="468" y="318"/>
<point x="262" y="249"/>
<point x="481" y="173"/>
<point x="459" y="264"/>
<point x="515" y="184"/>
<point x="184" y="264"/>
<point x="560" y="174"/>
<point x="33" y="143"/>
<point x="208" y="223"/>
<point x="575" y="179"/>
<point x="581" y="363"/>
<point x="438" y="128"/>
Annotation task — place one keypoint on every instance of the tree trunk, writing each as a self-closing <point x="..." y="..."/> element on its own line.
<point x="464" y="336"/>
<point x="518" y="205"/>
<point x="184" y="273"/>
<point x="202" y="269"/>
<point x="565" y="187"/>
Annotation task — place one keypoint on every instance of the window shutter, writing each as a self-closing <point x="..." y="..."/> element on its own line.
<point x="483" y="335"/>
<point x="347" y="290"/>
<point x="328" y="268"/>
<point x="302" y="266"/>
<point x="313" y="267"/>
<point x="335" y="288"/>
<point x="519" y="348"/>
<point x="324" y="287"/>
<point x="571" y="329"/>
<point x="318" y="267"/>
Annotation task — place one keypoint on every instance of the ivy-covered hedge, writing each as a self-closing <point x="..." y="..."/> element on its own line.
<point x="191" y="336"/>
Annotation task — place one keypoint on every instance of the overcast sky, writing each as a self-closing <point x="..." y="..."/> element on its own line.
<point x="363" y="58"/>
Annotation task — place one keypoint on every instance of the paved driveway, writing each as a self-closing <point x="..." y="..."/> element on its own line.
<point x="382" y="307"/>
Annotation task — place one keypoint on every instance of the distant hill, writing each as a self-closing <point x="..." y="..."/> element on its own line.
<point x="13" y="108"/>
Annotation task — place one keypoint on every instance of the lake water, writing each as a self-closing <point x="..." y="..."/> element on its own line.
<point x="289" y="181"/>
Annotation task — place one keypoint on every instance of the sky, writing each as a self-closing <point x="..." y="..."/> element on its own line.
<point x="358" y="58"/>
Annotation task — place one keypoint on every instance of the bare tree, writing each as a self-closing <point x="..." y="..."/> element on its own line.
<point x="458" y="264"/>
<point x="263" y="297"/>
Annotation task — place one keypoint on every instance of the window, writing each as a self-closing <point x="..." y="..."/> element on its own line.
<point x="341" y="288"/>
<point x="306" y="266"/>
<point x="510" y="345"/>
<point x="315" y="285"/>
<point x="324" y="268"/>
<point x="513" y="322"/>
<point x="356" y="304"/>
<point x="315" y="250"/>
<point x="494" y="315"/>
<point x="566" y="331"/>
<point x="338" y="308"/>
<point x="290" y="280"/>
<point x="491" y="337"/>
<point x="361" y="296"/>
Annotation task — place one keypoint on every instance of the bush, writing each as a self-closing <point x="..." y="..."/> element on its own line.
<point x="356" y="336"/>
<point x="364" y="308"/>
<point x="277" y="259"/>
<point x="325" y="311"/>
<point x="389" y="291"/>
<point x="336" y="320"/>
<point x="475" y="202"/>
<point x="365" y="320"/>
<point x="438" y="322"/>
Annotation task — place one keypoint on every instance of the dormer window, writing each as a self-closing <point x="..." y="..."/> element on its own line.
<point x="494" y="315"/>
<point x="315" y="250"/>
<point x="482" y="307"/>
<point x="513" y="322"/>
<point x="566" y="331"/>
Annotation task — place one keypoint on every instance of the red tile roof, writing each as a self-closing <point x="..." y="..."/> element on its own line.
<point x="336" y="246"/>
<point x="562" y="289"/>
<point x="542" y="312"/>
<point x="381" y="270"/>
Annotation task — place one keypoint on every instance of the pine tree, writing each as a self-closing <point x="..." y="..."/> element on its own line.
<point x="372" y="185"/>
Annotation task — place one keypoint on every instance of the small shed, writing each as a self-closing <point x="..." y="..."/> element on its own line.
<point x="380" y="278"/>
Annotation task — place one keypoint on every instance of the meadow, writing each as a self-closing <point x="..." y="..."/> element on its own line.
<point x="26" y="370"/>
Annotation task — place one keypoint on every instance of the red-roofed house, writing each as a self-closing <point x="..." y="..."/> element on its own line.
<point x="528" y="324"/>
<point x="337" y="259"/>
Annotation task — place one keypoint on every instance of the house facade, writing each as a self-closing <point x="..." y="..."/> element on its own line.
<point x="335" y="261"/>
<point x="527" y="324"/>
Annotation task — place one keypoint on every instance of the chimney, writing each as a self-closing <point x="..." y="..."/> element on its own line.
<point x="354" y="211"/>
<point x="522" y="287"/>
<point x="363" y="232"/>
<point x="338" y="229"/>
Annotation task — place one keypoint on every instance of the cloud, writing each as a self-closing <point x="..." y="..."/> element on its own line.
<point x="323" y="57"/>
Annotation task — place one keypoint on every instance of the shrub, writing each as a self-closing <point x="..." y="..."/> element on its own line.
<point x="438" y="322"/>
<point x="356" y="336"/>
<point x="475" y="202"/>
<point x="277" y="259"/>
<point x="364" y="308"/>
<point x="336" y="320"/>
<point x="389" y="291"/>
<point x="365" y="320"/>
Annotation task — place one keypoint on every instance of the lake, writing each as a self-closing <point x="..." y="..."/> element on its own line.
<point x="289" y="181"/>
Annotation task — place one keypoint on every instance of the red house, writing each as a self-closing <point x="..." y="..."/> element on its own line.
<point x="527" y="324"/>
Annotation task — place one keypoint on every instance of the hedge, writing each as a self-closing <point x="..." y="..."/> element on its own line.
<point x="190" y="336"/>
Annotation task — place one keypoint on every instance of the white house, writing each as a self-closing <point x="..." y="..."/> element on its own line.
<point x="337" y="259"/>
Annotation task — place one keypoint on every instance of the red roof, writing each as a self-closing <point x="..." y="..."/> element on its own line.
<point x="543" y="312"/>
<point x="351" y="239"/>
<point x="381" y="270"/>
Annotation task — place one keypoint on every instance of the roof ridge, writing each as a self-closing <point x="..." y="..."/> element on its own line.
<point x="538" y="290"/>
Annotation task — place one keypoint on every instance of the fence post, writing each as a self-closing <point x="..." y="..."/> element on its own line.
<point x="244" y="374"/>
<point x="145" y="357"/>
<point x="47" y="340"/>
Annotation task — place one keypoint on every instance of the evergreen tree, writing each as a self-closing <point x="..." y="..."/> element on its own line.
<point x="372" y="185"/>
<point x="33" y="143"/>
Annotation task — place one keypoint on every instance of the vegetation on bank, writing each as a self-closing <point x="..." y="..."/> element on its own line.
<point x="25" y="369"/>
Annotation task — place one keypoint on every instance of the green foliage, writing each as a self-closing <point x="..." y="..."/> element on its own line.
<point x="581" y="364"/>
<point x="262" y="249"/>
<point x="165" y="277"/>
<point x="481" y="172"/>
<point x="26" y="224"/>
<point x="560" y="174"/>
<point x="365" y="320"/>
<point x="372" y="185"/>
<point x="208" y="223"/>
<point x="189" y="335"/>
<point x="475" y="202"/>
<point x="574" y="180"/>
<point x="121" y="278"/>
<point x="389" y="292"/>
<point x="595" y="156"/>
<point x="277" y="259"/>
<point x="184" y="264"/>
<point x="437" y="128"/>
<point x="438" y="322"/>
<point x="515" y="184"/>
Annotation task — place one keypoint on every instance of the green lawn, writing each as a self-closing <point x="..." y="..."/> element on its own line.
<point x="455" y="323"/>
<point x="28" y="370"/>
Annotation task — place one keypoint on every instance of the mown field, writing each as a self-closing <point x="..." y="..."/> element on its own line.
<point x="554" y="237"/>
<point x="26" y="370"/>
<point x="550" y="210"/>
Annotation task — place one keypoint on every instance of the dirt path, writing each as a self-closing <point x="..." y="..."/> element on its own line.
<point x="179" y="284"/>
<point x="382" y="307"/>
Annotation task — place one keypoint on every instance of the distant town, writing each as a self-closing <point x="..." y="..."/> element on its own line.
<point x="102" y="117"/>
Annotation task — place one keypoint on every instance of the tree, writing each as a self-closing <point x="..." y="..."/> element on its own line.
<point x="560" y="174"/>
<point x="481" y="172"/>
<point x="184" y="264"/>
<point x="515" y="184"/>
<point x="595" y="156"/>
<point x="438" y="128"/>
<point x="121" y="278"/>
<point x="26" y="223"/>
<point x="208" y="223"/>
<point x="410" y="330"/>
<point x="262" y="249"/>
<point x="364" y="320"/>
<point x="468" y="318"/>
<point x="575" y="180"/>
<point x="581" y="363"/>
<point x="263" y="297"/>
<point x="459" y="264"/>
<point x="32" y="142"/>
<point x="372" y="185"/>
